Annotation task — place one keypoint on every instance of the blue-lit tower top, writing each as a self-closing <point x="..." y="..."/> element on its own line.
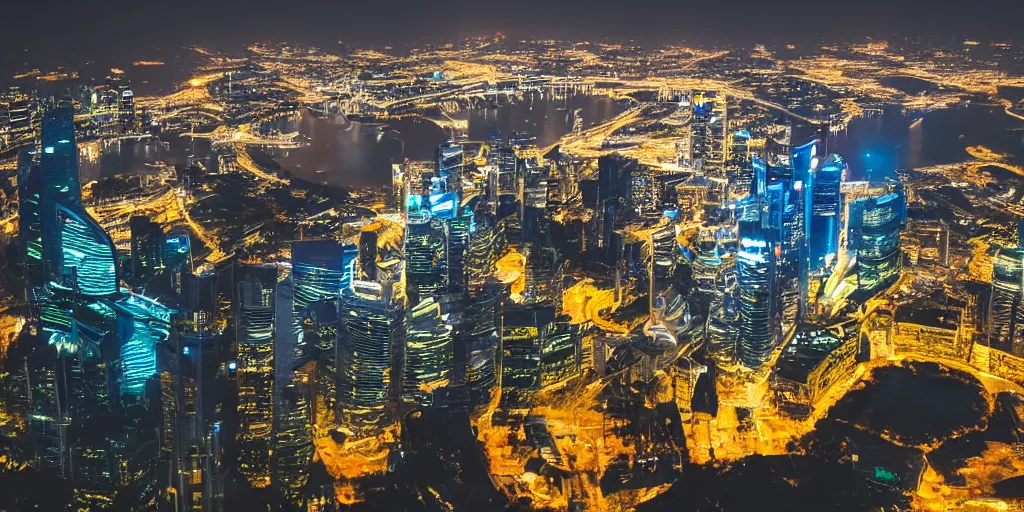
<point x="321" y="270"/>
<point x="823" y="230"/>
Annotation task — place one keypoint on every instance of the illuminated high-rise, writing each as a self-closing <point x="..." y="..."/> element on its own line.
<point x="707" y="132"/>
<point x="448" y="161"/>
<point x="321" y="269"/>
<point x="371" y="342"/>
<point x="522" y="334"/>
<point x="126" y="108"/>
<point x="760" y="225"/>
<point x="739" y="170"/>
<point x="485" y="247"/>
<point x="428" y="352"/>
<point x="59" y="181"/>
<point x="293" y="433"/>
<point x="147" y="249"/>
<point x="458" y="232"/>
<point x="825" y="212"/>
<point x="142" y="324"/>
<point x="560" y="353"/>
<point x="88" y="256"/>
<point x="254" y="338"/>
<point x="426" y="254"/>
<point x="755" y="277"/>
<point x="30" y="231"/>
<point x="1006" y="306"/>
<point x="479" y="337"/>
<point x="873" y="225"/>
<point x="368" y="255"/>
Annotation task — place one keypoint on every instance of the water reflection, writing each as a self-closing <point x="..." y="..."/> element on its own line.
<point x="111" y="157"/>
<point x="343" y="153"/>
<point x="544" y="116"/>
<point x="894" y="140"/>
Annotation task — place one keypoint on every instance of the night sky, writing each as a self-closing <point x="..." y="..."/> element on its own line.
<point x="59" y="27"/>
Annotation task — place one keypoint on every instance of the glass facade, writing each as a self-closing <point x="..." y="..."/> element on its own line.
<point x="142" y="323"/>
<point x="428" y="352"/>
<point x="88" y="255"/>
<point x="823" y="238"/>
<point x="147" y="239"/>
<point x="59" y="182"/>
<point x="321" y="269"/>
<point x="426" y="253"/>
<point x="29" y="227"/>
<point x="755" y="277"/>
<point x="874" y="237"/>
<point x="371" y="329"/>
<point x="254" y="337"/>
<point x="1006" y="311"/>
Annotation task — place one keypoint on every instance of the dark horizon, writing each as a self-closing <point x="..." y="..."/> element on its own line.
<point x="65" y="26"/>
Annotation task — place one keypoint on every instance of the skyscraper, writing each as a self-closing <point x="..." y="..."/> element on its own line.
<point x="873" y="223"/>
<point x="126" y="108"/>
<point x="368" y="255"/>
<point x="755" y="277"/>
<point x="459" y="229"/>
<point x="426" y="254"/>
<point x="826" y="208"/>
<point x="522" y="334"/>
<point x="1006" y="306"/>
<point x="448" y="159"/>
<point x="707" y="132"/>
<point x="560" y="354"/>
<point x="760" y="232"/>
<point x="371" y="339"/>
<point x="30" y="231"/>
<point x="147" y="249"/>
<point x="58" y="168"/>
<point x="739" y="170"/>
<point x="254" y="337"/>
<point x="88" y="256"/>
<point x="142" y="324"/>
<point x="479" y="336"/>
<point x="321" y="269"/>
<point x="293" y="433"/>
<point x="428" y="352"/>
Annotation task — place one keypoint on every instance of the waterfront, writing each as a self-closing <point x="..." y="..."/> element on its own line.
<point x="344" y="153"/>
<point x="543" y="116"/>
<point x="895" y="140"/>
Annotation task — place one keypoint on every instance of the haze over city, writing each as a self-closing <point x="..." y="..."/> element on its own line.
<point x="562" y="256"/>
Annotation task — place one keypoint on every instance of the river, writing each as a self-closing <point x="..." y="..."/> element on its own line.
<point x="893" y="140"/>
<point x="357" y="154"/>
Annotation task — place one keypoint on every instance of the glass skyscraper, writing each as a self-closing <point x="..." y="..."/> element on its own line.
<point x="88" y="255"/>
<point x="147" y="239"/>
<point x="59" y="182"/>
<point x="823" y="236"/>
<point x="29" y="227"/>
<point x="873" y="224"/>
<point x="428" y="352"/>
<point x="426" y="255"/>
<point x="522" y="333"/>
<point x="371" y="339"/>
<point x="142" y="324"/>
<point x="321" y="269"/>
<point x="1006" y="306"/>
<point x="449" y="164"/>
<point x="760" y="231"/>
<point x="254" y="338"/>
<point x="755" y="277"/>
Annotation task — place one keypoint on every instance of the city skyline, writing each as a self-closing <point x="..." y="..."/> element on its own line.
<point x="513" y="275"/>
